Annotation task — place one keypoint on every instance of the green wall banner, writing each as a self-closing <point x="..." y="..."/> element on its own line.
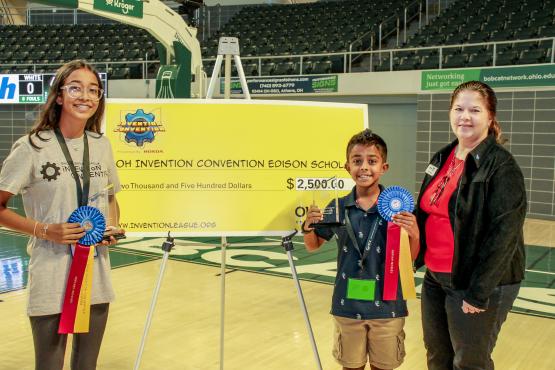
<point x="130" y="8"/>
<point x="447" y="80"/>
<point x="529" y="76"/>
<point x="285" y="85"/>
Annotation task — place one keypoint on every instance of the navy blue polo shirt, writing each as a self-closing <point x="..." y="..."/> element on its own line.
<point x="353" y="262"/>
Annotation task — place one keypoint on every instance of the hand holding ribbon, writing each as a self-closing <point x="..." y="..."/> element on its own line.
<point x="64" y="233"/>
<point x="407" y="221"/>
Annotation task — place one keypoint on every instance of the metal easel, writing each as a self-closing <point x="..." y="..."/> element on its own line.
<point x="228" y="47"/>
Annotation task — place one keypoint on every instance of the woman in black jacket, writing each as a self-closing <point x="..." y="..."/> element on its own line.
<point x="471" y="208"/>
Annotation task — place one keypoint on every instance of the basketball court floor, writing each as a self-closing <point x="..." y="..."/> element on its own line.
<point x="264" y="326"/>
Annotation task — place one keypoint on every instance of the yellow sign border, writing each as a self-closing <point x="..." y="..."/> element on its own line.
<point x="359" y="110"/>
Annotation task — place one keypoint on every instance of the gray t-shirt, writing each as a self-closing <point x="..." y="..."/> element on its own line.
<point x="46" y="184"/>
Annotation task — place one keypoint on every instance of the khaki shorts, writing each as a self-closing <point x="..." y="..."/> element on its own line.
<point x="382" y="341"/>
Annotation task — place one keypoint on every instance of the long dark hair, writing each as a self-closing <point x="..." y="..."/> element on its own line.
<point x="51" y="111"/>
<point x="490" y="101"/>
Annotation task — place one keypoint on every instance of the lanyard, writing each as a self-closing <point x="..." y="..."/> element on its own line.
<point x="351" y="233"/>
<point x="82" y="191"/>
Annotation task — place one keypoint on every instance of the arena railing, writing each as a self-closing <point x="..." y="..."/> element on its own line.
<point x="410" y="12"/>
<point x="387" y="54"/>
<point x="144" y="66"/>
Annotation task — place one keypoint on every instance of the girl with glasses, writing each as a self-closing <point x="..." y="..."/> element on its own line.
<point x="65" y="139"/>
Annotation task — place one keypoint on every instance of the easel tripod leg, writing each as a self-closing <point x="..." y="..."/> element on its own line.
<point x="304" y="310"/>
<point x="222" y="302"/>
<point x="166" y="247"/>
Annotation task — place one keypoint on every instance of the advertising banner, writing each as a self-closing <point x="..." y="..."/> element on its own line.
<point x="285" y="85"/>
<point x="529" y="76"/>
<point x="130" y="8"/>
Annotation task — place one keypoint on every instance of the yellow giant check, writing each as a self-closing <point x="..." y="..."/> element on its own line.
<point x="223" y="168"/>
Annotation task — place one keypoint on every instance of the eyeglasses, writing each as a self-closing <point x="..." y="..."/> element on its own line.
<point x="77" y="92"/>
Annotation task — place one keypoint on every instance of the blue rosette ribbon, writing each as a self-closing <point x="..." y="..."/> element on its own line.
<point x="93" y="221"/>
<point x="393" y="200"/>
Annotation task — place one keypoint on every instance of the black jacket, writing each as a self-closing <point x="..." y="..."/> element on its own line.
<point x="487" y="213"/>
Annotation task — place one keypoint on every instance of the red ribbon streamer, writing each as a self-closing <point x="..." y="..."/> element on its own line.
<point x="73" y="288"/>
<point x="391" y="270"/>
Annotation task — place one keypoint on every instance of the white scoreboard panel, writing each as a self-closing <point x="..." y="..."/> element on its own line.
<point x="30" y="88"/>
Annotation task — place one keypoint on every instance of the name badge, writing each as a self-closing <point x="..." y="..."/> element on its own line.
<point x="431" y="170"/>
<point x="361" y="289"/>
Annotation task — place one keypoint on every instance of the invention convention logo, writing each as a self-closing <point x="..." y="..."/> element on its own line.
<point x="140" y="127"/>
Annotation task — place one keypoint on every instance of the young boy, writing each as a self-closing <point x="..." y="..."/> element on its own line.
<point x="365" y="329"/>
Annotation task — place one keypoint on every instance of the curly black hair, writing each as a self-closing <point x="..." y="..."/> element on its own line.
<point x="368" y="138"/>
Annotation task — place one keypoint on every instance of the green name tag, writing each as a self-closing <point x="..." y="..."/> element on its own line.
<point x="361" y="289"/>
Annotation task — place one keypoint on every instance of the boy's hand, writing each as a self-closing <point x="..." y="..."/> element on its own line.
<point x="314" y="215"/>
<point x="407" y="221"/>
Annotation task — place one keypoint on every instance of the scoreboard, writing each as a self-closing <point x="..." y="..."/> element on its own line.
<point x="30" y="88"/>
<point x="33" y="88"/>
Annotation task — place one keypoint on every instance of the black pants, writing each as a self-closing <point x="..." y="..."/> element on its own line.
<point x="50" y="346"/>
<point x="453" y="339"/>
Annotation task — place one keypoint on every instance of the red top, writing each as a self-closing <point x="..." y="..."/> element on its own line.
<point x="439" y="231"/>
